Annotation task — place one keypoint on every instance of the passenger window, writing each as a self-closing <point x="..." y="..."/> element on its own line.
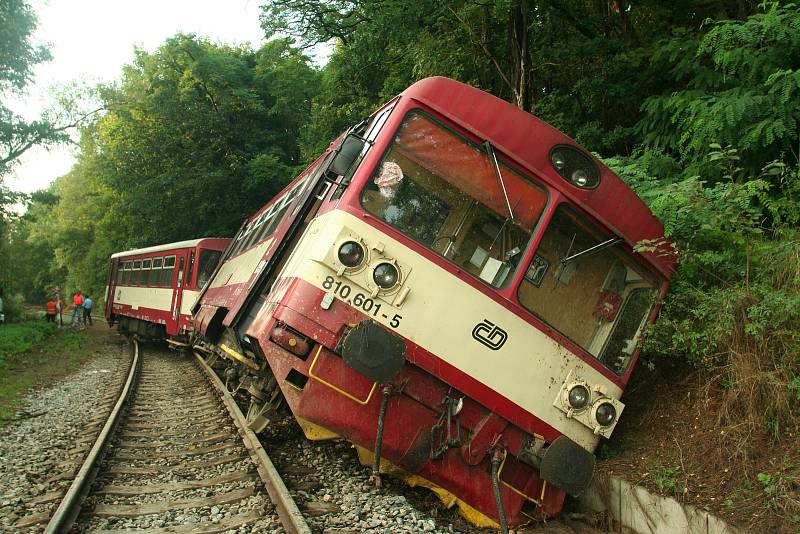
<point x="137" y="269"/>
<point x="120" y="271"/>
<point x="145" y="276"/>
<point x="168" y="271"/>
<point x="449" y="194"/>
<point x="208" y="261"/>
<point x="126" y="273"/>
<point x="155" y="272"/>
<point x="180" y="281"/>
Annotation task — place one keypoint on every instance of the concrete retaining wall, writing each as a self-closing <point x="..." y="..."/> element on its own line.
<point x="637" y="510"/>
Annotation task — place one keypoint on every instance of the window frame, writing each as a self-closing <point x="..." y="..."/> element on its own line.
<point x="154" y="269"/>
<point x="137" y="270"/>
<point x="168" y="282"/>
<point x="144" y="276"/>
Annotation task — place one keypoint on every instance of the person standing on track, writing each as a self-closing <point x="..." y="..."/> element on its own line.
<point x="87" y="310"/>
<point x="77" y="310"/>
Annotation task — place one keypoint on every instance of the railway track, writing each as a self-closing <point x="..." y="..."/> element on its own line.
<point x="174" y="456"/>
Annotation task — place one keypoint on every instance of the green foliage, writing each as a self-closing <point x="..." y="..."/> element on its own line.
<point x="197" y="137"/>
<point x="666" y="480"/>
<point x="742" y="85"/>
<point x="606" y="451"/>
<point x="13" y="307"/>
<point x="733" y="309"/>
<point x="201" y="129"/>
<point x="34" y="353"/>
<point x="18" y="57"/>
<point x="794" y="387"/>
<point x="780" y="492"/>
<point x="18" y="338"/>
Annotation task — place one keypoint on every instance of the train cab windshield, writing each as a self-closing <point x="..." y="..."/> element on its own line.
<point x="449" y="194"/>
<point x="610" y="295"/>
<point x="455" y="197"/>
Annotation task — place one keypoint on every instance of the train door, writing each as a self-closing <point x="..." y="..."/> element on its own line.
<point x="177" y="293"/>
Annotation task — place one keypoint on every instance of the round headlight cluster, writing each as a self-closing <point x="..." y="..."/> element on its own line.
<point x="605" y="414"/>
<point x="351" y="254"/>
<point x="385" y="275"/>
<point x="578" y="397"/>
<point x="575" y="166"/>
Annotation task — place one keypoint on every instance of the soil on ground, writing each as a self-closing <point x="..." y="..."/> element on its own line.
<point x="669" y="441"/>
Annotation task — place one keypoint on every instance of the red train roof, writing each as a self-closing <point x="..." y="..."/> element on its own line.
<point x="521" y="137"/>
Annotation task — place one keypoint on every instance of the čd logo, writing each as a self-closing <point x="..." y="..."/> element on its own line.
<point x="489" y="334"/>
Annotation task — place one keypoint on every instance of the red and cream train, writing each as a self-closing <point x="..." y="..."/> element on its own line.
<point x="453" y="287"/>
<point x="150" y="291"/>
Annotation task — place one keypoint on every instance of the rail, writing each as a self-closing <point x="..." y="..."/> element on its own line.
<point x="70" y="505"/>
<point x="289" y="514"/>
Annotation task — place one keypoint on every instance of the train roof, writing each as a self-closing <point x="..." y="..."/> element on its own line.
<point x="520" y="136"/>
<point x="215" y="242"/>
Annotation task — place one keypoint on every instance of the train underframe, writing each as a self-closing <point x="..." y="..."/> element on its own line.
<point x="421" y="428"/>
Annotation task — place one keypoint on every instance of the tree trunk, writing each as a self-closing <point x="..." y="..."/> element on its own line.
<point x="519" y="55"/>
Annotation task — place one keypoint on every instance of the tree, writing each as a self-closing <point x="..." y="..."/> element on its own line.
<point x="18" y="57"/>
<point x="204" y="131"/>
<point x="740" y="86"/>
<point x="583" y="65"/>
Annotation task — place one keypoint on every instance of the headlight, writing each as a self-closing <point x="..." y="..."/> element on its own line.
<point x="578" y="397"/>
<point x="575" y="167"/>
<point x="385" y="275"/>
<point x="558" y="160"/>
<point x="605" y="414"/>
<point x="351" y="254"/>
<point x="580" y="178"/>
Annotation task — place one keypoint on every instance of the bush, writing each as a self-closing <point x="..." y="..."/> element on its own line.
<point x="733" y="309"/>
<point x="17" y="338"/>
<point x="13" y="308"/>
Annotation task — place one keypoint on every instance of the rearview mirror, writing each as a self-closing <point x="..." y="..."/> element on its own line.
<point x="348" y="153"/>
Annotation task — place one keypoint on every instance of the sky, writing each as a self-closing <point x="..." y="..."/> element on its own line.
<point x="91" y="40"/>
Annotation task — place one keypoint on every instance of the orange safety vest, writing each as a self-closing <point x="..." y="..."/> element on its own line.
<point x="51" y="308"/>
<point x="77" y="300"/>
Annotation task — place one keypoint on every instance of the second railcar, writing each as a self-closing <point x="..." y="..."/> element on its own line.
<point x="151" y="290"/>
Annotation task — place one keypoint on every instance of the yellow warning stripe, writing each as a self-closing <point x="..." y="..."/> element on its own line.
<point x="333" y="386"/>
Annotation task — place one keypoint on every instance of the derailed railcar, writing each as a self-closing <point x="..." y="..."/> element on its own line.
<point x="452" y="287"/>
<point x="151" y="290"/>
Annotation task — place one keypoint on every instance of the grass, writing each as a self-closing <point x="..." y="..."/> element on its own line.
<point x="35" y="353"/>
<point x="666" y="480"/>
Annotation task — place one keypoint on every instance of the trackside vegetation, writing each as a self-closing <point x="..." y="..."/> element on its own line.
<point x="34" y="352"/>
<point x="695" y="103"/>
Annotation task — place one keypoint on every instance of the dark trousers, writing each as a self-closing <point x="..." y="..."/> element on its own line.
<point x="87" y="316"/>
<point x="51" y="318"/>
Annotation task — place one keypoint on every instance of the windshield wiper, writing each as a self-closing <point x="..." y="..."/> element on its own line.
<point x="591" y="250"/>
<point x="490" y="151"/>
